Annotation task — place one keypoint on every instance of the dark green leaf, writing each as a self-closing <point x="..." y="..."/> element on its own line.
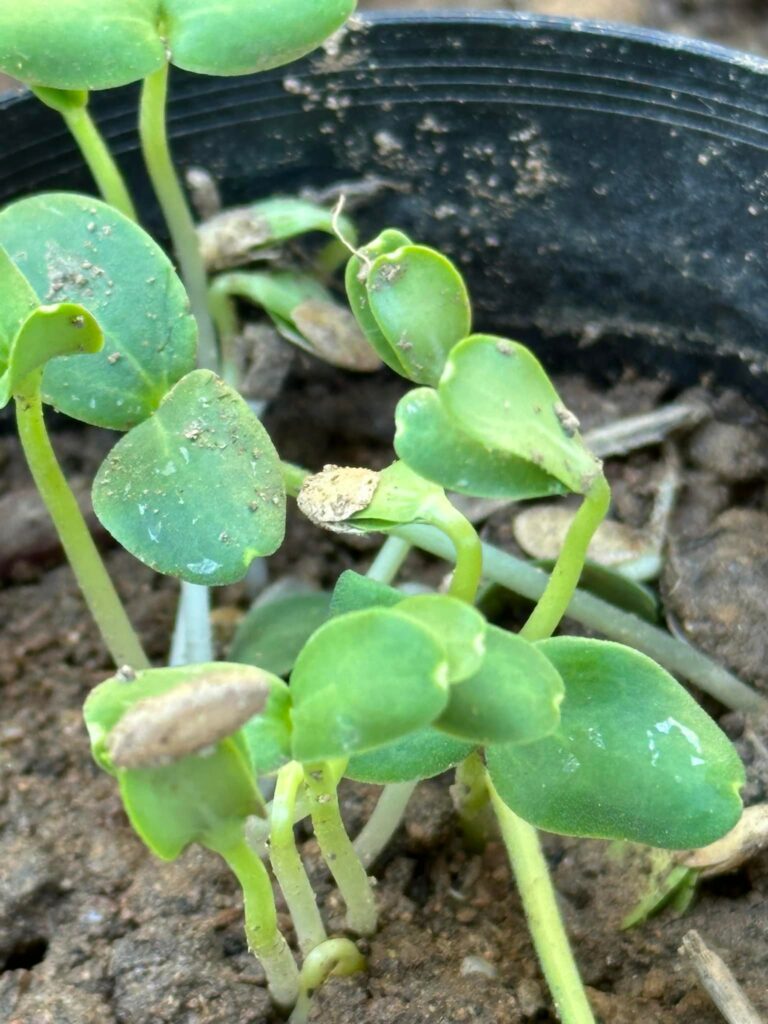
<point x="513" y="698"/>
<point x="355" y="593"/>
<point x="272" y="634"/>
<point x="195" y="491"/>
<point x="363" y="680"/>
<point x="421" y="755"/>
<point x="497" y="392"/>
<point x="434" y="446"/>
<point x="74" y="249"/>
<point x="634" y="756"/>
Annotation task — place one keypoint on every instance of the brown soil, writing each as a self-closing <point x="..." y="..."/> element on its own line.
<point x="94" y="929"/>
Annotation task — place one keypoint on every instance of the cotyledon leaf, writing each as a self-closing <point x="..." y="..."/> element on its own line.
<point x="420" y="755"/>
<point x="74" y="249"/>
<point x="196" y="490"/>
<point x="634" y="756"/>
<point x="76" y="44"/>
<point x="498" y="393"/>
<point x="48" y="332"/>
<point x="433" y="444"/>
<point x="17" y="300"/>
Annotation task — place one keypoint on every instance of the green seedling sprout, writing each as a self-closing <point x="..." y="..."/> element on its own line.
<point x="583" y="737"/>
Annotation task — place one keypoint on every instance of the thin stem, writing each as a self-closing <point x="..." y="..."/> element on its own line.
<point x="467" y="547"/>
<point x="335" y="956"/>
<point x="677" y="657"/>
<point x="349" y="874"/>
<point x="385" y="820"/>
<point x="541" y="911"/>
<point x="565" y="575"/>
<point x="192" y="641"/>
<point x="97" y="588"/>
<point x="262" y="933"/>
<point x="287" y="864"/>
<point x="101" y="164"/>
<point x="388" y="560"/>
<point x="471" y="799"/>
<point x="157" y="157"/>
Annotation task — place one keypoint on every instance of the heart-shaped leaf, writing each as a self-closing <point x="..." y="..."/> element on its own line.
<point x="634" y="757"/>
<point x="514" y="697"/>
<point x="431" y="442"/>
<point x="421" y="307"/>
<point x="79" y="250"/>
<point x="456" y="625"/>
<point x="421" y="755"/>
<point x="74" y="45"/>
<point x="363" y="680"/>
<point x="272" y="634"/>
<point x="196" y="490"/>
<point x="497" y="392"/>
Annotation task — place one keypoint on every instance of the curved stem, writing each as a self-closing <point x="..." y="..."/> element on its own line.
<point x="335" y="956"/>
<point x="385" y="820"/>
<point x="101" y="163"/>
<point x="157" y="157"/>
<point x="466" y="543"/>
<point x="565" y="575"/>
<point x="543" y="915"/>
<point x="348" y="873"/>
<point x="286" y="862"/>
<point x="97" y="588"/>
<point x="262" y="933"/>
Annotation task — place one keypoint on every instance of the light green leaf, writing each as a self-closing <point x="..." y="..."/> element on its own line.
<point x="363" y="680"/>
<point x="72" y="45"/>
<point x="48" y="332"/>
<point x="420" y="304"/>
<point x="634" y="757"/>
<point x="433" y="445"/>
<point x="75" y="249"/>
<point x="17" y="300"/>
<point x="421" y="755"/>
<point x="357" y="293"/>
<point x="272" y="634"/>
<point x="196" y="490"/>
<point x="458" y="627"/>
<point x="497" y="392"/>
<point x="514" y="697"/>
<point x="268" y="736"/>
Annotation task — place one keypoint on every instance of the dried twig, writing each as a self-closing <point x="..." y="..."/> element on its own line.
<point x="717" y="980"/>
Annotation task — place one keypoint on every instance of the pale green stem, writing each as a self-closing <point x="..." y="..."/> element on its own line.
<point x="100" y="162"/>
<point x="287" y="864"/>
<point x="564" y="578"/>
<point x="264" y="937"/>
<point x="157" y="157"/>
<point x="97" y="588"/>
<point x="466" y="543"/>
<point x="375" y="835"/>
<point x="388" y="560"/>
<point x="339" y="854"/>
<point x="470" y="796"/>
<point x="543" y="915"/>
<point x="192" y="641"/>
<point x="340" y="957"/>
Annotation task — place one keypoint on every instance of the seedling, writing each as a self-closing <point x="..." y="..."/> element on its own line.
<point x="583" y="737"/>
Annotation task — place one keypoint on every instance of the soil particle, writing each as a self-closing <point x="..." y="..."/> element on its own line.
<point x="731" y="451"/>
<point x="714" y="584"/>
